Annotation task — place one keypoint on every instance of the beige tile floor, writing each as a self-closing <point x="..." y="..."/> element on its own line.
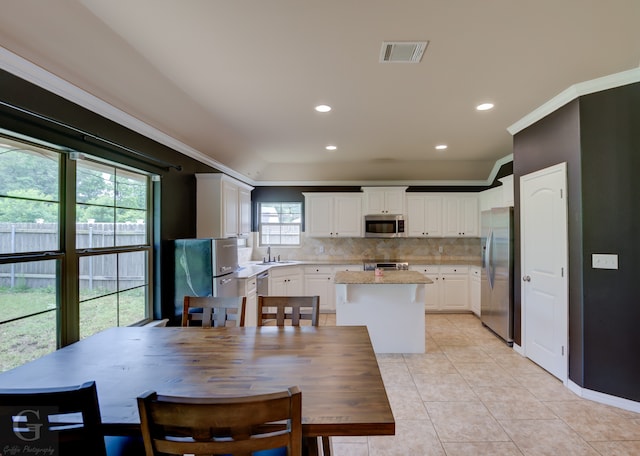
<point x="470" y="394"/>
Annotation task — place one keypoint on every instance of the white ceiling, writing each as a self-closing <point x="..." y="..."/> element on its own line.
<point x="237" y="80"/>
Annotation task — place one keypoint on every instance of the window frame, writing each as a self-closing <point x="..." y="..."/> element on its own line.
<point x="67" y="256"/>
<point x="280" y="224"/>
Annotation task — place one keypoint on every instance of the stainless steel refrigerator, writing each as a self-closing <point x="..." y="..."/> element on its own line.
<point x="204" y="267"/>
<point x="496" y="310"/>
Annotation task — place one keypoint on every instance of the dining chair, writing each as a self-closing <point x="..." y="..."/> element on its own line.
<point x="238" y="426"/>
<point x="213" y="311"/>
<point x="65" y="419"/>
<point x="288" y="308"/>
<point x="294" y="309"/>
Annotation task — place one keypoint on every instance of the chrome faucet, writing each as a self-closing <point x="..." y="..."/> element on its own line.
<point x="269" y="254"/>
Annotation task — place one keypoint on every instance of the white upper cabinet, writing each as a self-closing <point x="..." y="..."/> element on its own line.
<point x="424" y="215"/>
<point x="507" y="190"/>
<point x="490" y="198"/>
<point x="244" y="211"/>
<point x="223" y="207"/>
<point x="501" y="196"/>
<point x="460" y="215"/>
<point x="384" y="200"/>
<point x="333" y="214"/>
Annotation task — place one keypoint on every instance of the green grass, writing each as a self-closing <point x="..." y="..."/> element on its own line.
<point x="32" y="337"/>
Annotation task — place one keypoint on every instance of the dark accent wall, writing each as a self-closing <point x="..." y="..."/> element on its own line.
<point x="177" y="200"/>
<point x="598" y="136"/>
<point x="610" y="137"/>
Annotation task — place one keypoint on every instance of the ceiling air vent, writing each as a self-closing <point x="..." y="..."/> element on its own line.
<point x="402" y="51"/>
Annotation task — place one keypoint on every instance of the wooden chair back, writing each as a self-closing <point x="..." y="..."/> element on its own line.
<point x="210" y="311"/>
<point x="66" y="419"/>
<point x="293" y="308"/>
<point x="235" y="426"/>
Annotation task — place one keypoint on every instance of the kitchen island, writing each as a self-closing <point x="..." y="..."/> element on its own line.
<point x="391" y="306"/>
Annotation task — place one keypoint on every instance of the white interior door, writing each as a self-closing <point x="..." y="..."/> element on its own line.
<point x="543" y="228"/>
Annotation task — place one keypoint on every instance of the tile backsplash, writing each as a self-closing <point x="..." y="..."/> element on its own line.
<point x="358" y="249"/>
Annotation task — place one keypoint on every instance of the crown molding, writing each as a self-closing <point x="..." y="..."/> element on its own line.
<point x="577" y="90"/>
<point x="36" y="75"/>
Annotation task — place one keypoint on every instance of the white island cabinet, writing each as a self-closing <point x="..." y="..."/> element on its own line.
<point x="390" y="306"/>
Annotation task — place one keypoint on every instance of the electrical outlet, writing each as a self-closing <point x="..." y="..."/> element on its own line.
<point x="321" y="249"/>
<point x="604" y="261"/>
<point x="440" y="249"/>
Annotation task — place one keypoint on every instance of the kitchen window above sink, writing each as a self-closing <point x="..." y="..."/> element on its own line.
<point x="280" y="224"/>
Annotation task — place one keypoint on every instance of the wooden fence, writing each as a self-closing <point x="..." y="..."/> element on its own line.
<point x="96" y="272"/>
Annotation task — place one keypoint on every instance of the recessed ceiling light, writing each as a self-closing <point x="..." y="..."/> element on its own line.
<point x="484" y="106"/>
<point x="331" y="147"/>
<point x="323" y="108"/>
<point x="441" y="147"/>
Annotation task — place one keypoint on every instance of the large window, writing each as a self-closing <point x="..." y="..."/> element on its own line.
<point x="112" y="242"/>
<point x="280" y="223"/>
<point x="74" y="255"/>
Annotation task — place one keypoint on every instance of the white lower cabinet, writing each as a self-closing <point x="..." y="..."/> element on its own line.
<point x="431" y="290"/>
<point x="285" y="281"/>
<point x="318" y="281"/>
<point x="247" y="288"/>
<point x="454" y="288"/>
<point x="475" y="288"/>
<point x="449" y="291"/>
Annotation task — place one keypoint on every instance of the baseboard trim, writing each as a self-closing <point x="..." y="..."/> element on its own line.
<point x="518" y="349"/>
<point x="603" y="398"/>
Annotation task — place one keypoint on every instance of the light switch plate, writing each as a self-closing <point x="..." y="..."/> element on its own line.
<point x="604" y="261"/>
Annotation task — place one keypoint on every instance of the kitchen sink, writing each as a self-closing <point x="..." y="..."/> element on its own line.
<point x="279" y="262"/>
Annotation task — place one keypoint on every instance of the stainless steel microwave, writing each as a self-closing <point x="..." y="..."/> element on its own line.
<point x="384" y="226"/>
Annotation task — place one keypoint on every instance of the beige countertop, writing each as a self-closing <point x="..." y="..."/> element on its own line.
<point x="256" y="267"/>
<point x="388" y="277"/>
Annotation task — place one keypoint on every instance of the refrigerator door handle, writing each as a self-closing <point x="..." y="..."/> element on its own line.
<point x="489" y="260"/>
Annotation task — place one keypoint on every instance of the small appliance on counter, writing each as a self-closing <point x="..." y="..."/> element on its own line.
<point x="204" y="267"/>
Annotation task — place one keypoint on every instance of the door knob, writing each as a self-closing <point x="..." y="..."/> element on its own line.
<point x="527" y="278"/>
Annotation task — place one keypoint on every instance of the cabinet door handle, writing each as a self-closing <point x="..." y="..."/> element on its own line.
<point x="527" y="278"/>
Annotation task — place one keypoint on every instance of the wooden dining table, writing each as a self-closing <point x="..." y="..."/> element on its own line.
<point x="334" y="366"/>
